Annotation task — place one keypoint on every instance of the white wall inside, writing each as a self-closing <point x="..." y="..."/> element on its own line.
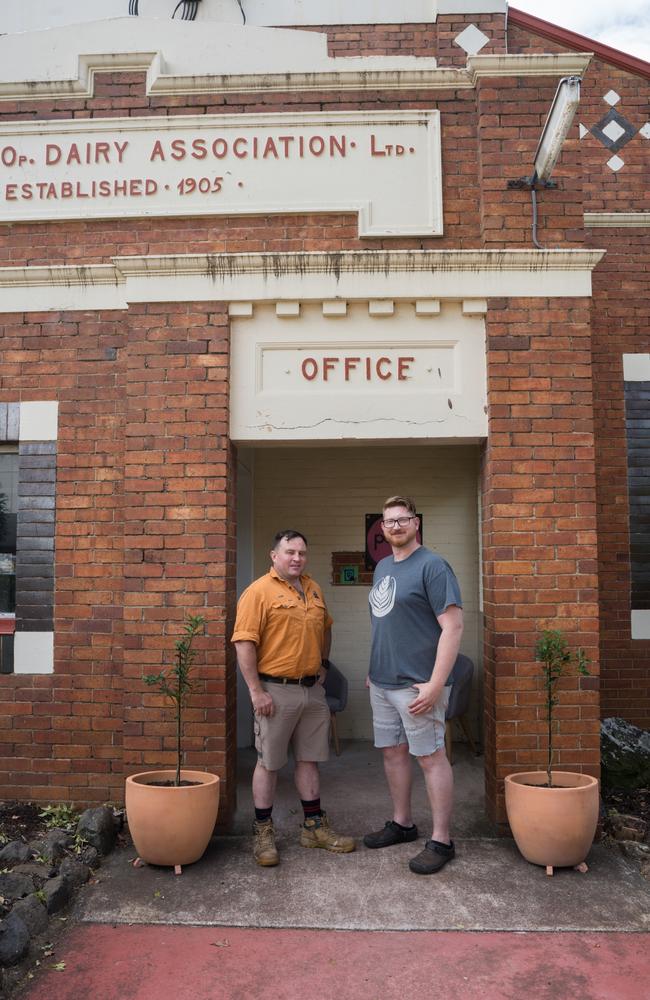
<point x="325" y="492"/>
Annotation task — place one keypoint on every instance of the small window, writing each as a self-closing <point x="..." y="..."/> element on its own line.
<point x="636" y="368"/>
<point x="8" y="518"/>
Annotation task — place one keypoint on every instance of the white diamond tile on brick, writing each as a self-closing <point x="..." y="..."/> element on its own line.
<point x="615" y="163"/>
<point x="612" y="97"/>
<point x="645" y="131"/>
<point x="582" y="130"/>
<point x="613" y="131"/>
<point x="472" y="40"/>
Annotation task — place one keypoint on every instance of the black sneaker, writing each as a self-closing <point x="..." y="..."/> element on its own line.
<point x="432" y="858"/>
<point x="392" y="833"/>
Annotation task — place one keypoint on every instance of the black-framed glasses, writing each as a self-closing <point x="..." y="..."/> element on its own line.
<point x="397" y="522"/>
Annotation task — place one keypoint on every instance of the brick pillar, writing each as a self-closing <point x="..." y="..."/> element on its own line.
<point x="179" y="533"/>
<point x="539" y="535"/>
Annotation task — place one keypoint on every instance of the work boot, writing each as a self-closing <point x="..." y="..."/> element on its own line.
<point x="264" y="849"/>
<point x="316" y="832"/>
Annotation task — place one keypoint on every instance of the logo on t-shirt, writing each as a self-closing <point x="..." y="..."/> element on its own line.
<point x="382" y="597"/>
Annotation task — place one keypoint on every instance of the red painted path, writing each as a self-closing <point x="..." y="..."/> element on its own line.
<point x="223" y="963"/>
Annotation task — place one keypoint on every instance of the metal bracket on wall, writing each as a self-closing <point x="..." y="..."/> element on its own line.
<point x="529" y="183"/>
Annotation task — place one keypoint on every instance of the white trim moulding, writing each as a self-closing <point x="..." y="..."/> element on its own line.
<point x="617" y="220"/>
<point x="352" y="74"/>
<point x="349" y="275"/>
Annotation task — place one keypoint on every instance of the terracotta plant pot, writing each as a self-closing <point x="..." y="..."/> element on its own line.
<point x="171" y="825"/>
<point x="555" y="826"/>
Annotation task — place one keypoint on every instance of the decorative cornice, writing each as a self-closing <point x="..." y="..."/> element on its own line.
<point x="617" y="220"/>
<point x="383" y="262"/>
<point x="535" y="64"/>
<point x="60" y="276"/>
<point x="344" y="79"/>
<point x="352" y="74"/>
<point x="83" y="85"/>
<point x="222" y="267"/>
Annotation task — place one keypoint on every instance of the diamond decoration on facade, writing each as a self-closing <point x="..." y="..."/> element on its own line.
<point x="615" y="163"/>
<point x="582" y="130"/>
<point x="471" y="40"/>
<point x="614" y="131"/>
<point x="612" y="97"/>
<point x="645" y="131"/>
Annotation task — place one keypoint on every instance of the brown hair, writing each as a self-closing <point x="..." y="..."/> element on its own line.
<point x="401" y="502"/>
<point x="288" y="534"/>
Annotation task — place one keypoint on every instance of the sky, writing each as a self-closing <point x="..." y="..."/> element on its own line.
<point x="623" y="24"/>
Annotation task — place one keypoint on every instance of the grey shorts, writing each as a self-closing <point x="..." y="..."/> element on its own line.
<point x="301" y="719"/>
<point x="393" y="723"/>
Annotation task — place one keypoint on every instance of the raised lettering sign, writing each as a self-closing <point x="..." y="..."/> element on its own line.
<point x="384" y="166"/>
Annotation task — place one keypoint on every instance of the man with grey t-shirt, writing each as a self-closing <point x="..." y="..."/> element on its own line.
<point x="417" y="624"/>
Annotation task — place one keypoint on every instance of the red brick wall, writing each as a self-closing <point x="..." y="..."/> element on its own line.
<point x="511" y="115"/>
<point x="97" y="241"/>
<point x="428" y="40"/>
<point x="179" y="529"/>
<point x="620" y="326"/>
<point x="62" y="733"/>
<point x="539" y="534"/>
<point x="620" y="309"/>
<point x="604" y="189"/>
<point x="143" y="436"/>
<point x="145" y="534"/>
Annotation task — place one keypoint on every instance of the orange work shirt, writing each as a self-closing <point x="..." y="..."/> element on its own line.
<point x="287" y="631"/>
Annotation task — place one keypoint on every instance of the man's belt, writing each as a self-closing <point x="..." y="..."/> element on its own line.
<point x="306" y="682"/>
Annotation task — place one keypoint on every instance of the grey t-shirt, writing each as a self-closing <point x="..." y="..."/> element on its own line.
<point x="404" y="601"/>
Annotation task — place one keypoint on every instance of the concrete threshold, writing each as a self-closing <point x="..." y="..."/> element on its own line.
<point x="488" y="887"/>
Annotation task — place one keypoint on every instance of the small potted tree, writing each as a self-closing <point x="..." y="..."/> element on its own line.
<point x="553" y="814"/>
<point x="172" y="813"/>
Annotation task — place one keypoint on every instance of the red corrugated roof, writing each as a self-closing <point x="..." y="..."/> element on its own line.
<point x="572" y="40"/>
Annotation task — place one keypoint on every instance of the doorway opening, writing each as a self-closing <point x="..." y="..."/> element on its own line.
<point x="326" y="492"/>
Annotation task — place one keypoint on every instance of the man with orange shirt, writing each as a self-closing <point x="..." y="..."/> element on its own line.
<point x="282" y="637"/>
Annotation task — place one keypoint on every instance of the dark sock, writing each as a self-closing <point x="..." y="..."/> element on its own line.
<point x="261" y="815"/>
<point x="404" y="827"/>
<point x="311" y="808"/>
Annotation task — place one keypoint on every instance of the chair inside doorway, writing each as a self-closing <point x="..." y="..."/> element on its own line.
<point x="336" y="692"/>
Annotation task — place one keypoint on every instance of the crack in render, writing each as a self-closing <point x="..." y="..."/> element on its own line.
<point x="335" y="420"/>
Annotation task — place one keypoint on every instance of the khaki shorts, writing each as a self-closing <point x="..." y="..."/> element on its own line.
<point x="301" y="718"/>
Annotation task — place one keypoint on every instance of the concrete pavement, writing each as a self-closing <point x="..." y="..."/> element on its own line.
<point x="358" y="925"/>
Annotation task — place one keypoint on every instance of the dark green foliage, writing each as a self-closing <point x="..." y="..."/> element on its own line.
<point x="176" y="683"/>
<point x="552" y="651"/>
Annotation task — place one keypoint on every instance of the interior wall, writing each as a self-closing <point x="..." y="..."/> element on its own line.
<point x="325" y="492"/>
